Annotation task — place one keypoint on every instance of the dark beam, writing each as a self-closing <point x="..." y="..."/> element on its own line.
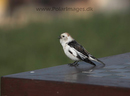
<point x="84" y="80"/>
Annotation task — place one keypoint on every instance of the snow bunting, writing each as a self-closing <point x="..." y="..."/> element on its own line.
<point x="75" y="51"/>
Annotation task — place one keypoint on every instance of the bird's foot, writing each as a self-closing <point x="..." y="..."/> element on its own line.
<point x="74" y="64"/>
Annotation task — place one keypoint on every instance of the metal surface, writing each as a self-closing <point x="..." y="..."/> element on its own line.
<point x="115" y="75"/>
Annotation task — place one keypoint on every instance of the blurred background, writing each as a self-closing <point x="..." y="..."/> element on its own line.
<point x="29" y="31"/>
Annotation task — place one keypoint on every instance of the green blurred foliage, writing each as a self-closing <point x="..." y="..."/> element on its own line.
<point x="37" y="46"/>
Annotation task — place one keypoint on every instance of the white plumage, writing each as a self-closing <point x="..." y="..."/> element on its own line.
<point x="75" y="51"/>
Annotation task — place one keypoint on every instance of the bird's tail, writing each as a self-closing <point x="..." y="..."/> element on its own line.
<point x="95" y="59"/>
<point x="88" y="61"/>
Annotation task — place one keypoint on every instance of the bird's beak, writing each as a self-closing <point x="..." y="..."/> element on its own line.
<point x="59" y="37"/>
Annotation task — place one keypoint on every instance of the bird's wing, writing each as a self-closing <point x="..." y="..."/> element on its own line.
<point x="82" y="53"/>
<point x="72" y="51"/>
<point x="80" y="50"/>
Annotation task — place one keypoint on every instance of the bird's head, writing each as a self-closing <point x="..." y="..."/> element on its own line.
<point x="65" y="38"/>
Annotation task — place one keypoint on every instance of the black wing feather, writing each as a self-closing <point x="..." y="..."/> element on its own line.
<point x="78" y="47"/>
<point x="81" y="49"/>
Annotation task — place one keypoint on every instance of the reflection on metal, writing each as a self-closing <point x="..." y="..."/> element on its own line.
<point x="113" y="71"/>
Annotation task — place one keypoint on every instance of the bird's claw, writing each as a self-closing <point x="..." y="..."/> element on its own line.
<point x="73" y="64"/>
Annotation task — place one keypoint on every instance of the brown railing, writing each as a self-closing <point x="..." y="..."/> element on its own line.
<point x="113" y="79"/>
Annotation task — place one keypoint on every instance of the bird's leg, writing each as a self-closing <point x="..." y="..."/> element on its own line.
<point x="74" y="64"/>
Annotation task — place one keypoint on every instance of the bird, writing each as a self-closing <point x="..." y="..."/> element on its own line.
<point x="75" y="51"/>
